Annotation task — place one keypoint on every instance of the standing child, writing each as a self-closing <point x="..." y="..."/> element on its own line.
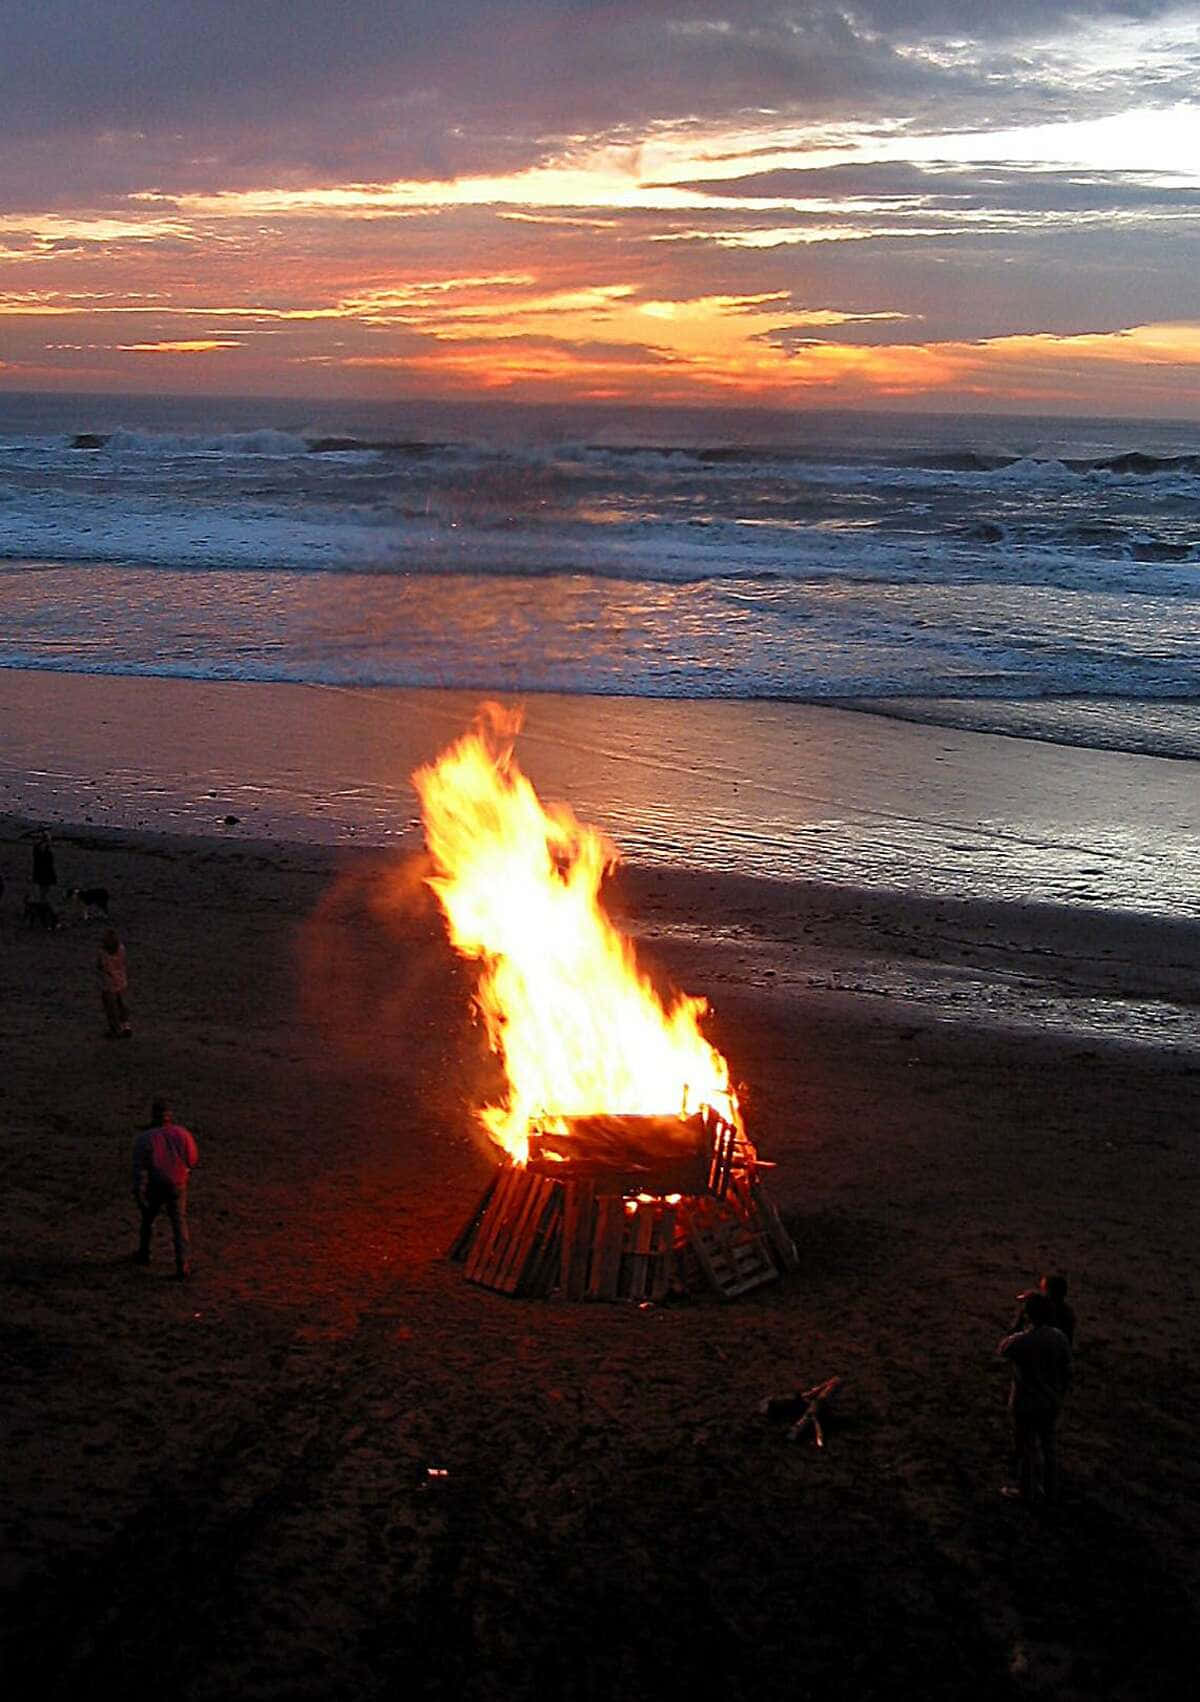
<point x="1040" y="1359"/>
<point x="114" y="984"/>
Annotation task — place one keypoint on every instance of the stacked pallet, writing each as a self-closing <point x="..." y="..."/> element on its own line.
<point x="614" y="1248"/>
<point x="512" y="1244"/>
<point x="534" y="1235"/>
<point x="731" y="1251"/>
<point x="628" y="1155"/>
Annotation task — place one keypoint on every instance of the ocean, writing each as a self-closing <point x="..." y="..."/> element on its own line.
<point x="1036" y="577"/>
<point x="255" y="619"/>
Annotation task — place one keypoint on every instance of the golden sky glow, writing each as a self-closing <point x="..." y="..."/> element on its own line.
<point x="773" y="256"/>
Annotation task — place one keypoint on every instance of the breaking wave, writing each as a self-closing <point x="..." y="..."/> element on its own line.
<point x="820" y="557"/>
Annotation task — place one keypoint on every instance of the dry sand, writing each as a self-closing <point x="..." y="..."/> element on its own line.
<point x="223" y="1488"/>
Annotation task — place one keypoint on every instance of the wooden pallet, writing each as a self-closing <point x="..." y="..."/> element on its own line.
<point x="733" y="1255"/>
<point x="531" y="1234"/>
<point x="606" y="1242"/>
<point x="461" y="1245"/>
<point x="723" y="1152"/>
<point x="515" y="1248"/>
<point x="579" y="1211"/>
<point x="763" y="1207"/>
<point x="649" y="1265"/>
<point x="613" y="1248"/>
<point x="626" y="1155"/>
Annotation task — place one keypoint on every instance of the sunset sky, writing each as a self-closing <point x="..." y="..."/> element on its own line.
<point x="915" y="203"/>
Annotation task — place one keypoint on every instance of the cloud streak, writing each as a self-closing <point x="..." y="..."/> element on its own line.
<point x="663" y="201"/>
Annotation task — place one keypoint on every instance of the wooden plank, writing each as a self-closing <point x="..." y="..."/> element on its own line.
<point x="635" y="1273"/>
<point x="521" y="1211"/>
<point x="537" y="1267"/>
<point x="570" y="1228"/>
<point x="645" y="1245"/>
<point x="604" y="1224"/>
<point x="730" y="1284"/>
<point x="581" y="1253"/>
<point x="462" y="1242"/>
<point x="700" y="1246"/>
<point x="510" y="1212"/>
<point x="686" y="1174"/>
<point x="721" y="1167"/>
<point x="767" y="1213"/>
<point x="662" y="1252"/>
<point x="611" y="1250"/>
<point x="579" y="1205"/>
<point x="541" y="1272"/>
<point x="508" y="1215"/>
<point x="609" y="1232"/>
<point x="493" y="1222"/>
<point x="524" y="1223"/>
<point x="651" y="1154"/>
<point x="621" y="1140"/>
<point x="733" y="1259"/>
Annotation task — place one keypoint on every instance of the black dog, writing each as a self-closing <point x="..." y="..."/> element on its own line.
<point x="94" y="899"/>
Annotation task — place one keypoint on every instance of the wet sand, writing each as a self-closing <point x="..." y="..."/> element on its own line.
<point x="782" y="790"/>
<point x="232" y="1487"/>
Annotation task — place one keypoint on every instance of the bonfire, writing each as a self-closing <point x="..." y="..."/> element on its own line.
<point x="624" y="1165"/>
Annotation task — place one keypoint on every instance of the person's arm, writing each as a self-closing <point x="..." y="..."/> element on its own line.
<point x="1008" y="1344"/>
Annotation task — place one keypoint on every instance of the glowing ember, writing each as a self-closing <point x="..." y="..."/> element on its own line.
<point x="577" y="1025"/>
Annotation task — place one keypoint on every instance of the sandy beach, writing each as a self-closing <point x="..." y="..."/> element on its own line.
<point x="786" y="791"/>
<point x="327" y="1466"/>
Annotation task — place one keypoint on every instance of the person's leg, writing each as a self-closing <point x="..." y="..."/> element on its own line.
<point x="1025" y="1445"/>
<point x="1049" y="1458"/>
<point x="176" y="1204"/>
<point x="149" y="1211"/>
<point x="112" y="1013"/>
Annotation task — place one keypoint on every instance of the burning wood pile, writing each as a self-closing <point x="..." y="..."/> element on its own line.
<point x="627" y="1173"/>
<point x="628" y="1208"/>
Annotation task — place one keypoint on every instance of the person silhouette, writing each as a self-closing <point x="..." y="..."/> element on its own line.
<point x="45" y="875"/>
<point x="1055" y="1290"/>
<point x="1040" y="1358"/>
<point x="113" y="975"/>
<point x="164" y="1156"/>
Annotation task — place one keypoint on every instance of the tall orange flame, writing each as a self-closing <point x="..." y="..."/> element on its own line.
<point x="577" y="1025"/>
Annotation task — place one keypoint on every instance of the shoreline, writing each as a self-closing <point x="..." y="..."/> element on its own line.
<point x="1079" y="723"/>
<point x="1169" y="727"/>
<point x="1101" y="977"/>
<point x="761" y="788"/>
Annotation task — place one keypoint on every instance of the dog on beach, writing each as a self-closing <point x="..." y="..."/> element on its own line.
<point x="91" y="902"/>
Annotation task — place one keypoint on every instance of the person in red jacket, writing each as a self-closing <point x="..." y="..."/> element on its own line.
<point x="164" y="1156"/>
